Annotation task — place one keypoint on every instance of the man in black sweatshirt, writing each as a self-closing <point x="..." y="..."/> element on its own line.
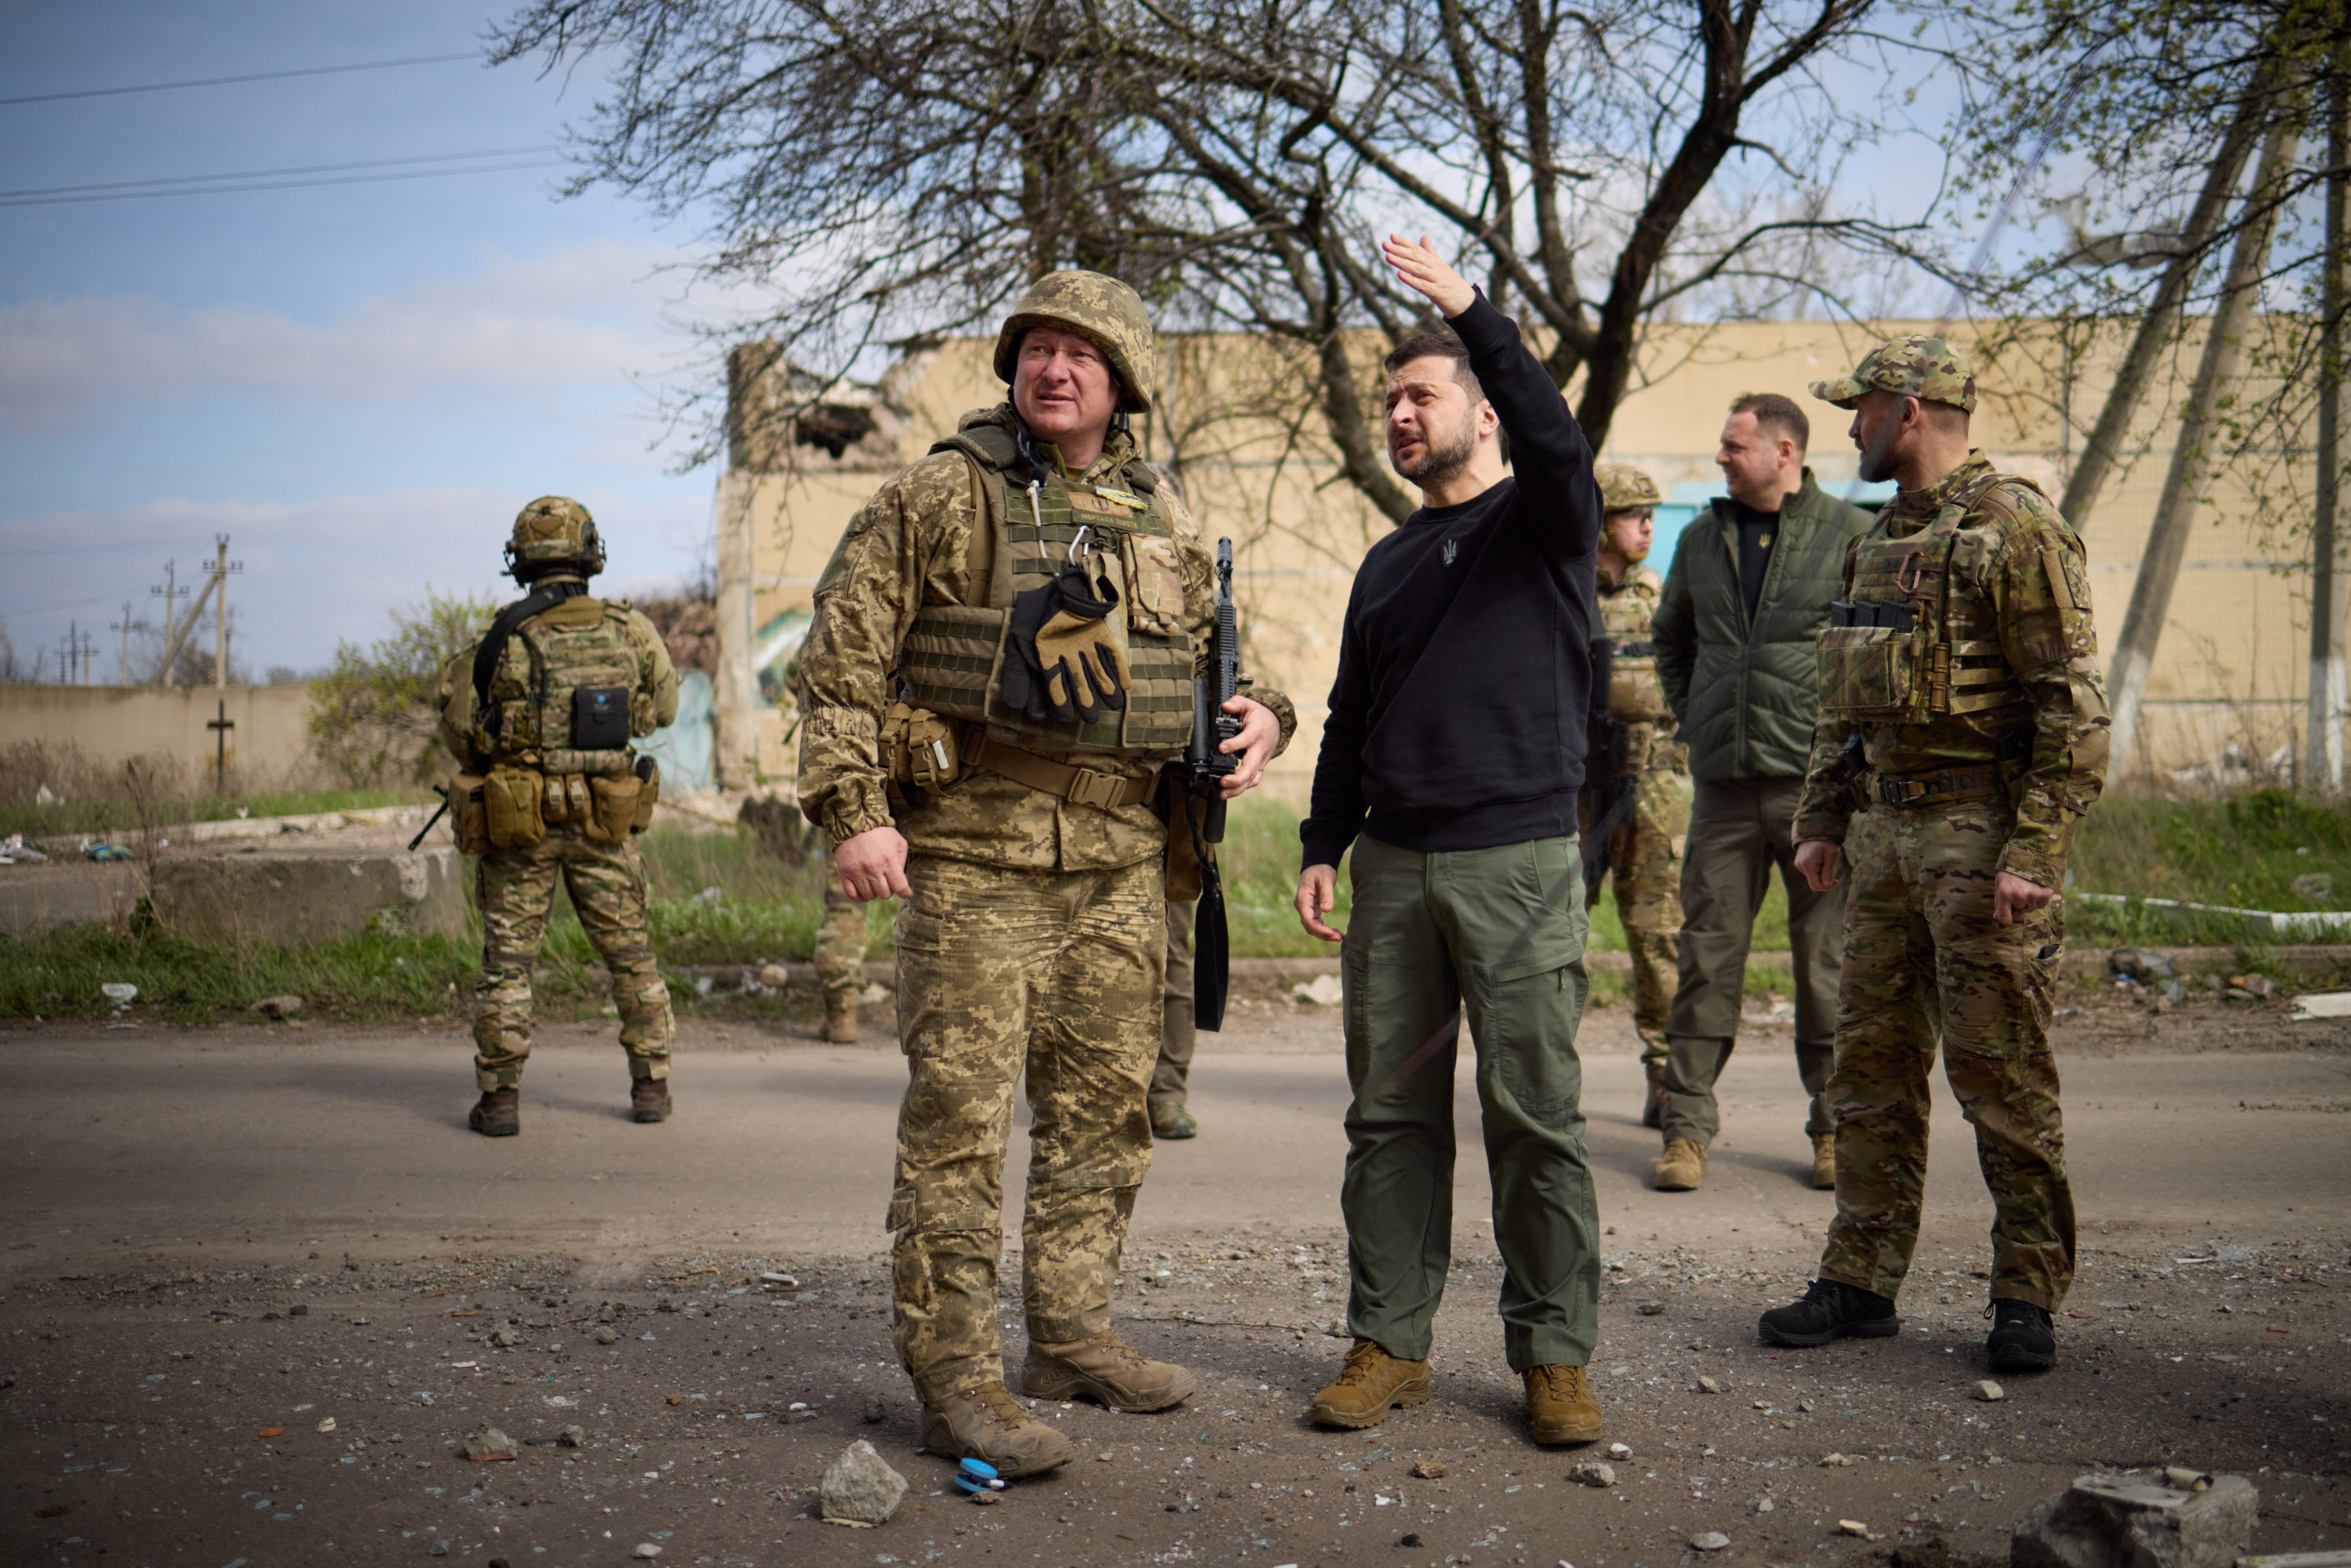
<point x="1451" y="762"/>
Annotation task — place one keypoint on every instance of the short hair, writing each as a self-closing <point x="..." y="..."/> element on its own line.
<point x="1429" y="344"/>
<point x="1776" y="413"/>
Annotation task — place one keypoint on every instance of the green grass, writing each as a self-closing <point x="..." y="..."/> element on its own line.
<point x="2247" y="852"/>
<point x="122" y="816"/>
<point x="366" y="978"/>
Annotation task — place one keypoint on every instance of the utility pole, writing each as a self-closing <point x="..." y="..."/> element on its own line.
<point x="2323" y="741"/>
<point x="219" y="572"/>
<point x="122" y="670"/>
<point x="2191" y="465"/>
<point x="170" y="593"/>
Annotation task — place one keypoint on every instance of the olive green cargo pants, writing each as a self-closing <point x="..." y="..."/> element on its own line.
<point x="1171" y="1078"/>
<point x="1503" y="928"/>
<point x="1006" y="977"/>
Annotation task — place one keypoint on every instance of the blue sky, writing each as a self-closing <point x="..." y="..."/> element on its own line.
<point x="360" y="384"/>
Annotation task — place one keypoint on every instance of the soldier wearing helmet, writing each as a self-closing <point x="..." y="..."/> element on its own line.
<point x="1645" y="859"/>
<point x="1000" y="666"/>
<point x="539" y="713"/>
<point x="1962" y="736"/>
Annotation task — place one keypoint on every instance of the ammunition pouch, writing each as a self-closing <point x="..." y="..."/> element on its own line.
<point x="513" y="810"/>
<point x="919" y="748"/>
<point x="469" y="816"/>
<point x="613" y="808"/>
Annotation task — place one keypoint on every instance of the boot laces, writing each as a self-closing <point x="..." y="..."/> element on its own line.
<point x="1560" y="1381"/>
<point x="997" y="1405"/>
<point x="1361" y="1362"/>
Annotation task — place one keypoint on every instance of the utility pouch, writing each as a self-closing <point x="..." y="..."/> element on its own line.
<point x="1154" y="600"/>
<point x="599" y="718"/>
<point x="511" y="809"/>
<point x="919" y="748"/>
<point x="469" y="816"/>
<point x="613" y="808"/>
<point x="649" y="775"/>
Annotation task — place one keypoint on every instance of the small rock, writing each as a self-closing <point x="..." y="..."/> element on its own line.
<point x="438" y="1549"/>
<point x="1988" y="1391"/>
<point x="2261" y="986"/>
<point x="1831" y="1461"/>
<point x="1709" y="1385"/>
<point x="487" y="1445"/>
<point x="1709" y="1541"/>
<point x="504" y="1338"/>
<point x="607" y="1335"/>
<point x="298" y="1309"/>
<point x="860" y="1488"/>
<point x="1429" y="1469"/>
<point x="572" y="1437"/>
<point x="1651" y="1308"/>
<point x="786" y="1280"/>
<point x="645" y="1549"/>
<point x="985" y="1499"/>
<point x="1409" y="1538"/>
<point x="1853" y="1527"/>
<point x="277" y="1006"/>
<point x="1334" y="1329"/>
<point x="1620" y="1451"/>
<point x="608" y="1312"/>
<point x="1592" y="1473"/>
<point x="875" y="1412"/>
<point x="774" y="974"/>
<point x="326" y="1423"/>
<point x="1765" y="1505"/>
<point x="677" y="1398"/>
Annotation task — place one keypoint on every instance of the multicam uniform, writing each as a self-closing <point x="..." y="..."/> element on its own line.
<point x="1984" y="733"/>
<point x="1644" y="859"/>
<point x="579" y="828"/>
<point x="1035" y="941"/>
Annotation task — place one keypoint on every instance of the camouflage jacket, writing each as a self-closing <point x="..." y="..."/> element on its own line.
<point x="906" y="547"/>
<point x="2011" y="551"/>
<point x="1635" y="695"/>
<point x="586" y="641"/>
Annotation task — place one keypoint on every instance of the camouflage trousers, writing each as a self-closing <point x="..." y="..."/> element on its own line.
<point x="516" y="891"/>
<point x="1645" y="864"/>
<point x="840" y="944"/>
<point x="1003" y="975"/>
<point x="1924" y="959"/>
<point x="1171" y="1078"/>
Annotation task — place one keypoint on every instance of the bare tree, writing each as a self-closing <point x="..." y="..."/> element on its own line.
<point x="896" y="169"/>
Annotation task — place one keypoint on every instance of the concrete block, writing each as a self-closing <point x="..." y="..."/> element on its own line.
<point x="297" y="897"/>
<point x="2128" y="1522"/>
<point x="35" y="899"/>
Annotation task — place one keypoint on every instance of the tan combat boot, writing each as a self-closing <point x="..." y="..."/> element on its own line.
<point x="1105" y="1370"/>
<point x="1369" y="1385"/>
<point x="1561" y="1406"/>
<point x="1653" y="1113"/>
<point x="986" y="1423"/>
<point x="841" y="1020"/>
<point x="498" y="1113"/>
<point x="1824" y="1161"/>
<point x="1682" y="1166"/>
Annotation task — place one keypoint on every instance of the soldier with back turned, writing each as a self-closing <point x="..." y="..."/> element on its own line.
<point x="1963" y="736"/>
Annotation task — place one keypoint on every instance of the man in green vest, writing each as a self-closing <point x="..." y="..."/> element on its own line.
<point x="999" y="669"/>
<point x="1738" y="635"/>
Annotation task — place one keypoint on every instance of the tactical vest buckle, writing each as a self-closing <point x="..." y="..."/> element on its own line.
<point x="1088" y="788"/>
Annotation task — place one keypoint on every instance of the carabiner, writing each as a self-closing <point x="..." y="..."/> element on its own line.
<point x="1078" y="543"/>
<point x="1910" y="589"/>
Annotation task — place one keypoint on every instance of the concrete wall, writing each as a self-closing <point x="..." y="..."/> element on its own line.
<point x="2230" y="671"/>
<point x="268" y="750"/>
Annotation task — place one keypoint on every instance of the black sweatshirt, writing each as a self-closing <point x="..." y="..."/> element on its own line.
<point x="1457" y="717"/>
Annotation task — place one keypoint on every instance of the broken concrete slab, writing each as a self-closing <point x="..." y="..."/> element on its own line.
<point x="306" y="896"/>
<point x="2135" y="1521"/>
<point x="860" y="1487"/>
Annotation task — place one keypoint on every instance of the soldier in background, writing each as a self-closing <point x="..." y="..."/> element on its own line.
<point x="1963" y="736"/>
<point x="840" y="959"/>
<point x="1171" y="1118"/>
<point x="539" y="714"/>
<point x="1644" y="858"/>
<point x="999" y="670"/>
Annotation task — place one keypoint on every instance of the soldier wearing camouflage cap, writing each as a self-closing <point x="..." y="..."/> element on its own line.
<point x="1645" y="859"/>
<point x="539" y="713"/>
<point x="999" y="667"/>
<point x="1963" y="735"/>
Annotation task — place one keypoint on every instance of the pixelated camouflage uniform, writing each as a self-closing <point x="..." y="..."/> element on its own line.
<point x="514" y="888"/>
<point x="840" y="946"/>
<point x="1998" y="778"/>
<point x="1644" y="859"/>
<point x="1034" y="943"/>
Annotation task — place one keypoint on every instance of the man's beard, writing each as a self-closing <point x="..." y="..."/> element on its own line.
<point x="1877" y="466"/>
<point x="1440" y="461"/>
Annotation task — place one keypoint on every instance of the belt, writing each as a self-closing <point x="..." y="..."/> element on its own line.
<point x="1078" y="786"/>
<point x="1943" y="787"/>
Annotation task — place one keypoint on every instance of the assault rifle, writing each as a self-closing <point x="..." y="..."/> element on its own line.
<point x="1208" y="768"/>
<point x="1608" y="785"/>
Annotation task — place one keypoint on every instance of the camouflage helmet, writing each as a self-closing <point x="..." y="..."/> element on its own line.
<point x="1918" y="366"/>
<point x="1623" y="487"/>
<point x="1097" y="307"/>
<point x="554" y="533"/>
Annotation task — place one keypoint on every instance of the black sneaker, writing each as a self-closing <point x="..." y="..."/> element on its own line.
<point x="1830" y="1309"/>
<point x="2021" y="1337"/>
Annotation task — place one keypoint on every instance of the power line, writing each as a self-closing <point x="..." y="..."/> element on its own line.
<point x="225" y="81"/>
<point x="274" y="173"/>
<point x="285" y="184"/>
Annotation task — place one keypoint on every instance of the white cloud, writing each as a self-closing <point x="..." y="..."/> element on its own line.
<point x="589" y="315"/>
